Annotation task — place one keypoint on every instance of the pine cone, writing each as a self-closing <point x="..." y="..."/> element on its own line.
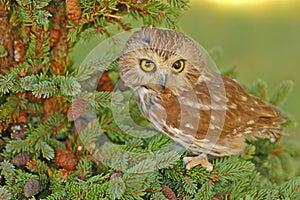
<point x="31" y="187"/>
<point x="78" y="107"/>
<point x="21" y="158"/>
<point x="65" y="159"/>
<point x="168" y="192"/>
<point x="74" y="10"/>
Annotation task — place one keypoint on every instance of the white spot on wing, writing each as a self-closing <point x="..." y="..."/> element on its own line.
<point x="190" y="104"/>
<point x="213" y="117"/>
<point x="272" y="139"/>
<point x="205" y="107"/>
<point x="248" y="130"/>
<point x="251" y="122"/>
<point x="180" y="133"/>
<point x="233" y="106"/>
<point x="204" y="140"/>
<point x="189" y="126"/>
<point x="202" y="106"/>
<point x="216" y="98"/>
<point x="219" y="107"/>
<point x="244" y="98"/>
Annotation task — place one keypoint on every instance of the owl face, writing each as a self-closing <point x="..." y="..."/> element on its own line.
<point x="160" y="59"/>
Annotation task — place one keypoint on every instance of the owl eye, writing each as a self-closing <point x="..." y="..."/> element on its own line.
<point x="178" y="66"/>
<point x="147" y="65"/>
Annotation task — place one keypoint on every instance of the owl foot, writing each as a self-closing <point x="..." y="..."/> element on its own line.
<point x="201" y="159"/>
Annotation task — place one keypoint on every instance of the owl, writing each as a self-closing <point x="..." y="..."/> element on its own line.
<point x="203" y="111"/>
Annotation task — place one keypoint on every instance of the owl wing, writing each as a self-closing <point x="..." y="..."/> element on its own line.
<point x="218" y="110"/>
<point x="248" y="115"/>
<point x="229" y="113"/>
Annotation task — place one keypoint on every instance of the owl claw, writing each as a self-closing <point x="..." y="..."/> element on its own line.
<point x="201" y="159"/>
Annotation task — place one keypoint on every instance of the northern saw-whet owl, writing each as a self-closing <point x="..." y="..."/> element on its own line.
<point x="203" y="111"/>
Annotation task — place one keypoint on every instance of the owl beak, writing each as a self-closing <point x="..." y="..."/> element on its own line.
<point x="163" y="80"/>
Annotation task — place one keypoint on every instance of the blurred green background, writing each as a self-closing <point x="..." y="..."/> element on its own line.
<point x="260" y="38"/>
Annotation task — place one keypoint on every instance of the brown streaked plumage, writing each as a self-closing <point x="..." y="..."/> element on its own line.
<point x="203" y="111"/>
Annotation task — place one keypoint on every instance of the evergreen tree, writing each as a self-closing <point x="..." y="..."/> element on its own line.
<point x="53" y="121"/>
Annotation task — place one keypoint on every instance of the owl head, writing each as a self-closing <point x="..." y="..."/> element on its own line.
<point x="160" y="59"/>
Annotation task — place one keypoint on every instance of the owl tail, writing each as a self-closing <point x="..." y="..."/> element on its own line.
<point x="268" y="127"/>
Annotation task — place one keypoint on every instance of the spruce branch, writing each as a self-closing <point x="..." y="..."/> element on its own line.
<point x="281" y="93"/>
<point x="116" y="160"/>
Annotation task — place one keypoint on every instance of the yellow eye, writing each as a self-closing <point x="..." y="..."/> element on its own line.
<point x="178" y="66"/>
<point x="147" y="65"/>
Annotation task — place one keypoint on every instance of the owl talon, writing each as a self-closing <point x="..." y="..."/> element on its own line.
<point x="201" y="159"/>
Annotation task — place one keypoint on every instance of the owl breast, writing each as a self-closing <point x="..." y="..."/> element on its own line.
<point x="179" y="117"/>
<point x="150" y="106"/>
